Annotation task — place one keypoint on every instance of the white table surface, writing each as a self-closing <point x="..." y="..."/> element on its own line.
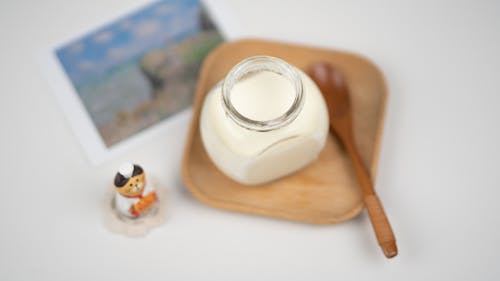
<point x="438" y="177"/>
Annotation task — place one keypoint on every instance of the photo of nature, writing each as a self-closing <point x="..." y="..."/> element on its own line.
<point x="140" y="69"/>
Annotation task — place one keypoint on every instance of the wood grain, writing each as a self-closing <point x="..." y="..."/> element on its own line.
<point x="324" y="192"/>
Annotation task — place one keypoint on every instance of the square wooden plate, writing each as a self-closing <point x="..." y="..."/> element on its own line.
<point x="324" y="192"/>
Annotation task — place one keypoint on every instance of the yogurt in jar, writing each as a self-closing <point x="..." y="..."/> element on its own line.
<point x="265" y="120"/>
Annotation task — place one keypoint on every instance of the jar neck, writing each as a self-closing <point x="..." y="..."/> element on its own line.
<point x="254" y="65"/>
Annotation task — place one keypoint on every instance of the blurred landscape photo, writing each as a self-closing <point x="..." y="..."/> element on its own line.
<point x="140" y="69"/>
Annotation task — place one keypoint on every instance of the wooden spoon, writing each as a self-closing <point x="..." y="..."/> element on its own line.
<point x="336" y="93"/>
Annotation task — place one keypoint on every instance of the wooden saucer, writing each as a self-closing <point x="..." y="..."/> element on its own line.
<point x="326" y="191"/>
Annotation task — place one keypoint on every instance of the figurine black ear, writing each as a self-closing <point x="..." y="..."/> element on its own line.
<point x="137" y="170"/>
<point x="120" y="180"/>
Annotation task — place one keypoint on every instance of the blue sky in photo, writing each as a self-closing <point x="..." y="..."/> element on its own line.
<point x="156" y="25"/>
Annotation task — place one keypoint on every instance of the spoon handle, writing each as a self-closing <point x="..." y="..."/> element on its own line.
<point x="378" y="218"/>
<point x="381" y="226"/>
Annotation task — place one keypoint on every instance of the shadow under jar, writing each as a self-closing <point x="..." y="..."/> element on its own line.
<point x="264" y="120"/>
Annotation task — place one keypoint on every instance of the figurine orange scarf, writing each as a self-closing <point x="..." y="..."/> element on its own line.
<point x="143" y="204"/>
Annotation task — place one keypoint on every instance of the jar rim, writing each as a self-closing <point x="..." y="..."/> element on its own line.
<point x="263" y="63"/>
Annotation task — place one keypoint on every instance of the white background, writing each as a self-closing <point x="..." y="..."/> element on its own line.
<point x="438" y="177"/>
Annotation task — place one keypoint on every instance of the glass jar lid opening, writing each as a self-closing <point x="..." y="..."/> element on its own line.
<point x="254" y="65"/>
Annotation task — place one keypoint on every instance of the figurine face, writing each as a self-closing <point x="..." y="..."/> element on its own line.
<point x="134" y="186"/>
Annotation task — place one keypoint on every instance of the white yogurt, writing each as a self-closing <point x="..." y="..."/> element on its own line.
<point x="253" y="157"/>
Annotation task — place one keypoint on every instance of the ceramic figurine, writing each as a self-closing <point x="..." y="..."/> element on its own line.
<point x="134" y="195"/>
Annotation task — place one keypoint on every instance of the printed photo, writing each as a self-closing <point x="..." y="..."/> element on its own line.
<point x="140" y="69"/>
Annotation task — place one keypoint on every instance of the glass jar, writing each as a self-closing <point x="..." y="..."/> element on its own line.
<point x="265" y="120"/>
